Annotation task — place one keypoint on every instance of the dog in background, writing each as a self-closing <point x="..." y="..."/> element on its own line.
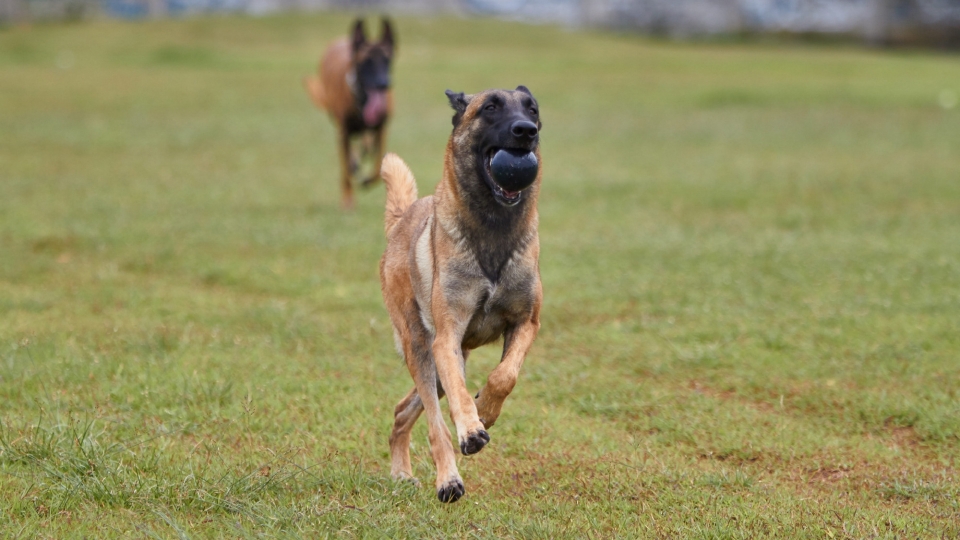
<point x="460" y="270"/>
<point x="353" y="86"/>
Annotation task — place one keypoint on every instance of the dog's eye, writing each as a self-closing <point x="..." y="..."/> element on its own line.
<point x="533" y="111"/>
<point x="490" y="107"/>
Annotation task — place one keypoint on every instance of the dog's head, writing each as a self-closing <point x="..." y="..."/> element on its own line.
<point x="496" y="144"/>
<point x="371" y="68"/>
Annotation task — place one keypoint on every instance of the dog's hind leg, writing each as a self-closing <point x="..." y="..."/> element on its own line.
<point x="405" y="416"/>
<point x="503" y="378"/>
<point x="346" y="176"/>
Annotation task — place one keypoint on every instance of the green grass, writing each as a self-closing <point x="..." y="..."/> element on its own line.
<point x="750" y="260"/>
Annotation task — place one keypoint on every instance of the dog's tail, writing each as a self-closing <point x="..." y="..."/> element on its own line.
<point x="315" y="90"/>
<point x="401" y="189"/>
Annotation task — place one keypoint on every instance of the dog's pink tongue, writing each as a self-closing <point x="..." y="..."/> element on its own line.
<point x="375" y="108"/>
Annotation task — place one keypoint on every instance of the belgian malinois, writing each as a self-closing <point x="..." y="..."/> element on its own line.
<point x="460" y="270"/>
<point x="353" y="86"/>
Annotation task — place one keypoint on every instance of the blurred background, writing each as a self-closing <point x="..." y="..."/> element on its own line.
<point x="749" y="230"/>
<point x="931" y="22"/>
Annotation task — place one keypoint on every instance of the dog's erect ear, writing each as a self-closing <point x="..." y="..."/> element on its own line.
<point x="459" y="103"/>
<point x="457" y="100"/>
<point x="359" y="37"/>
<point x="386" y="35"/>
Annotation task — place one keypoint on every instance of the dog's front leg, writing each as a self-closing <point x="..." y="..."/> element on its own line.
<point x="346" y="174"/>
<point x="405" y="416"/>
<point x="416" y="351"/>
<point x="448" y="355"/>
<point x="449" y="484"/>
<point x="503" y="378"/>
<point x="377" y="158"/>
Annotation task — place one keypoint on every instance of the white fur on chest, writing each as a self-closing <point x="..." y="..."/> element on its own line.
<point x="423" y="257"/>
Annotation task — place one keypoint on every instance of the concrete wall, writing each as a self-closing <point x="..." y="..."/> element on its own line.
<point x="878" y="21"/>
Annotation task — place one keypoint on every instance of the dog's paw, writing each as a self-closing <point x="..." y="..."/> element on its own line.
<point x="474" y="442"/>
<point x="451" y="491"/>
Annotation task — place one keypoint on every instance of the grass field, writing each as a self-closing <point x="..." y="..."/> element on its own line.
<point x="750" y="256"/>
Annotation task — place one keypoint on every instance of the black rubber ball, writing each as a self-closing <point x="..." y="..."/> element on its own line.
<point x="514" y="170"/>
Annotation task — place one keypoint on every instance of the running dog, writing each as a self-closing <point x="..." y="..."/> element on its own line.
<point x="460" y="270"/>
<point x="353" y="86"/>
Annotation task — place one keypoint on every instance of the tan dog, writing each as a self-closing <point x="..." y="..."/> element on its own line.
<point x="353" y="86"/>
<point x="461" y="270"/>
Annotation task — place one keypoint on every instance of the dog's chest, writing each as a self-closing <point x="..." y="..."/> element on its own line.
<point x="476" y="305"/>
<point x="498" y="306"/>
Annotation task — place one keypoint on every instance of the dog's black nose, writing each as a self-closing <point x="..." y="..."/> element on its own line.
<point x="524" y="129"/>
